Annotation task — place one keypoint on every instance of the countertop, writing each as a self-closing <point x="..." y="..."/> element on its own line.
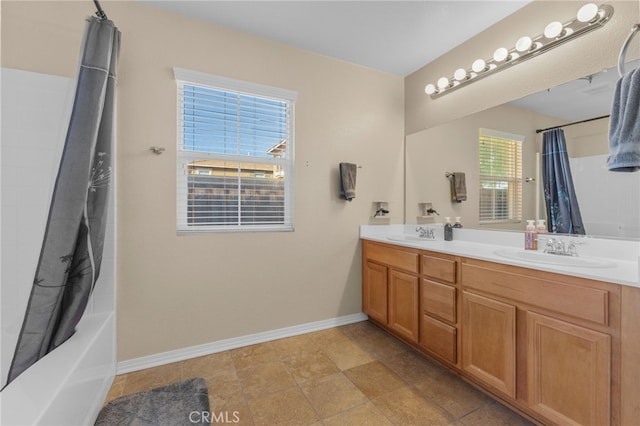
<point x="621" y="255"/>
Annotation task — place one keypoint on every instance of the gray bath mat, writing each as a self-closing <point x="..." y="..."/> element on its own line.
<point x="183" y="403"/>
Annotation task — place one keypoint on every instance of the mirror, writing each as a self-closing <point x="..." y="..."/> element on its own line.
<point x="609" y="201"/>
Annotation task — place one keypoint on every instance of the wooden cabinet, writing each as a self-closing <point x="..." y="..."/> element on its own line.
<point x="569" y="371"/>
<point x="567" y="332"/>
<point x="549" y="345"/>
<point x="403" y="304"/>
<point x="390" y="288"/>
<point x="438" y="306"/>
<point x="439" y="300"/>
<point x="374" y="291"/>
<point x="439" y="338"/>
<point x="489" y="342"/>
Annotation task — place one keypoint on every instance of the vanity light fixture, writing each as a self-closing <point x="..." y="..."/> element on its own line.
<point x="461" y="74"/>
<point x="524" y="44"/>
<point x="554" y="30"/>
<point x="589" y="17"/>
<point x="479" y="65"/>
<point x="501" y="54"/>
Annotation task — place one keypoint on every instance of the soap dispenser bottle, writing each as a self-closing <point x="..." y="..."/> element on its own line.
<point x="541" y="227"/>
<point x="458" y="222"/>
<point x="448" y="229"/>
<point x="530" y="236"/>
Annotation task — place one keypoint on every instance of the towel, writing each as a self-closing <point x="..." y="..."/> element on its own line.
<point x="348" y="181"/>
<point x="458" y="187"/>
<point x="624" y="127"/>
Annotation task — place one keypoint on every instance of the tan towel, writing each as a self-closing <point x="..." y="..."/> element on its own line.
<point x="458" y="187"/>
<point x="348" y="180"/>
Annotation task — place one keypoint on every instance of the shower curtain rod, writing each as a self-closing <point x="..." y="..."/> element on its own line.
<point x="571" y="124"/>
<point x="99" y="13"/>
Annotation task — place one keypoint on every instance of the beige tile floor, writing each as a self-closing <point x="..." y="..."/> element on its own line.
<point x="351" y="375"/>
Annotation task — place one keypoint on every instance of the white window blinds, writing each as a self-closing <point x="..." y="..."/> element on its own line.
<point x="500" y="157"/>
<point x="235" y="155"/>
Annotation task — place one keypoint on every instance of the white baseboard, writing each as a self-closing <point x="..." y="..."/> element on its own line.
<point x="233" y="343"/>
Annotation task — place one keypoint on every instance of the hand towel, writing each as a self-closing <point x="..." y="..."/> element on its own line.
<point x="458" y="187"/>
<point x="624" y="126"/>
<point x="348" y="180"/>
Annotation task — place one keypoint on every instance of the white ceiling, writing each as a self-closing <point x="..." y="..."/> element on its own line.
<point x="397" y="37"/>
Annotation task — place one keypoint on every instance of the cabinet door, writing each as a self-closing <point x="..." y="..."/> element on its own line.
<point x="569" y="374"/>
<point x="374" y="292"/>
<point x="489" y="342"/>
<point x="403" y="304"/>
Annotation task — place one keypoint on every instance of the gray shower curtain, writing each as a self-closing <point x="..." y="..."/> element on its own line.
<point x="72" y="246"/>
<point x="563" y="212"/>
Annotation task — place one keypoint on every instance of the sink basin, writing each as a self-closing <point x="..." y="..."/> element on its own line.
<point x="409" y="238"/>
<point x="554" y="259"/>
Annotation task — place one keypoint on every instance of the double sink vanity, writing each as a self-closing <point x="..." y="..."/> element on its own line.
<point x="554" y="337"/>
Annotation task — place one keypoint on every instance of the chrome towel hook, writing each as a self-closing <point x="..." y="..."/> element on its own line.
<point x="623" y="51"/>
<point x="157" y="150"/>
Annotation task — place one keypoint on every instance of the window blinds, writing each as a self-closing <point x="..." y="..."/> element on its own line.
<point x="500" y="157"/>
<point x="235" y="155"/>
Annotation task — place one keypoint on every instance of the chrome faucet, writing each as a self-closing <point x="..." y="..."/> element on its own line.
<point x="425" y="232"/>
<point x="558" y="246"/>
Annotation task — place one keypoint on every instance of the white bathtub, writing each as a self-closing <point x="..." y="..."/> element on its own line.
<point x="68" y="386"/>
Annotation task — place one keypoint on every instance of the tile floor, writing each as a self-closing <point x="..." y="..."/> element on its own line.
<point x="351" y="375"/>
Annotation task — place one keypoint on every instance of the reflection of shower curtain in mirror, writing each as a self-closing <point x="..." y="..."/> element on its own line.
<point x="563" y="213"/>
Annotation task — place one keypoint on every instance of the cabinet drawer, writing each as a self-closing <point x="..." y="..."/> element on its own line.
<point x="439" y="268"/>
<point x="439" y="300"/>
<point x="439" y="338"/>
<point x="394" y="257"/>
<point x="585" y="303"/>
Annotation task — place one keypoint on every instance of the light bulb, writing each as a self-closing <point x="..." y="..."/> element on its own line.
<point x="523" y="44"/>
<point x="553" y="30"/>
<point x="460" y="74"/>
<point x="587" y="12"/>
<point x="501" y="54"/>
<point x="443" y="83"/>
<point x="478" y="65"/>
<point x="429" y="89"/>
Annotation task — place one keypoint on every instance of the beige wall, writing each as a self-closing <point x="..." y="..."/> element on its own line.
<point x="586" y="55"/>
<point x="173" y="291"/>
<point x="453" y="147"/>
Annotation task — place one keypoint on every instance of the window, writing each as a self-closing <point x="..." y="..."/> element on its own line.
<point x="500" y="177"/>
<point x="235" y="155"/>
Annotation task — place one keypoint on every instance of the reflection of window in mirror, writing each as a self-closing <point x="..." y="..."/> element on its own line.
<point x="500" y="158"/>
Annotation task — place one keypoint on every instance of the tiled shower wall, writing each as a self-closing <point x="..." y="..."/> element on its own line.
<point x="598" y="190"/>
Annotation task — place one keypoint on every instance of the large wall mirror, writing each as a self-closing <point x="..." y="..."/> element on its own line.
<point x="609" y="201"/>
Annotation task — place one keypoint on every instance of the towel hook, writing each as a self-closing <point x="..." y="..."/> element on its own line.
<point x="623" y="51"/>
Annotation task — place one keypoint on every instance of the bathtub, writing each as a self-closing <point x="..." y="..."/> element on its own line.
<point x="68" y="386"/>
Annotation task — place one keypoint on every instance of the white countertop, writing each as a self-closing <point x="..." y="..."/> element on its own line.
<point x="623" y="255"/>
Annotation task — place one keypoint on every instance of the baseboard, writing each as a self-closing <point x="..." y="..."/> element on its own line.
<point x="233" y="343"/>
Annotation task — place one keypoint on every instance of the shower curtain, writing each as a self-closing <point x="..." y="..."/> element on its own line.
<point x="563" y="213"/>
<point x="72" y="246"/>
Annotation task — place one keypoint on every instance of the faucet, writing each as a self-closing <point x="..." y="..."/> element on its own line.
<point x="558" y="246"/>
<point x="425" y="232"/>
